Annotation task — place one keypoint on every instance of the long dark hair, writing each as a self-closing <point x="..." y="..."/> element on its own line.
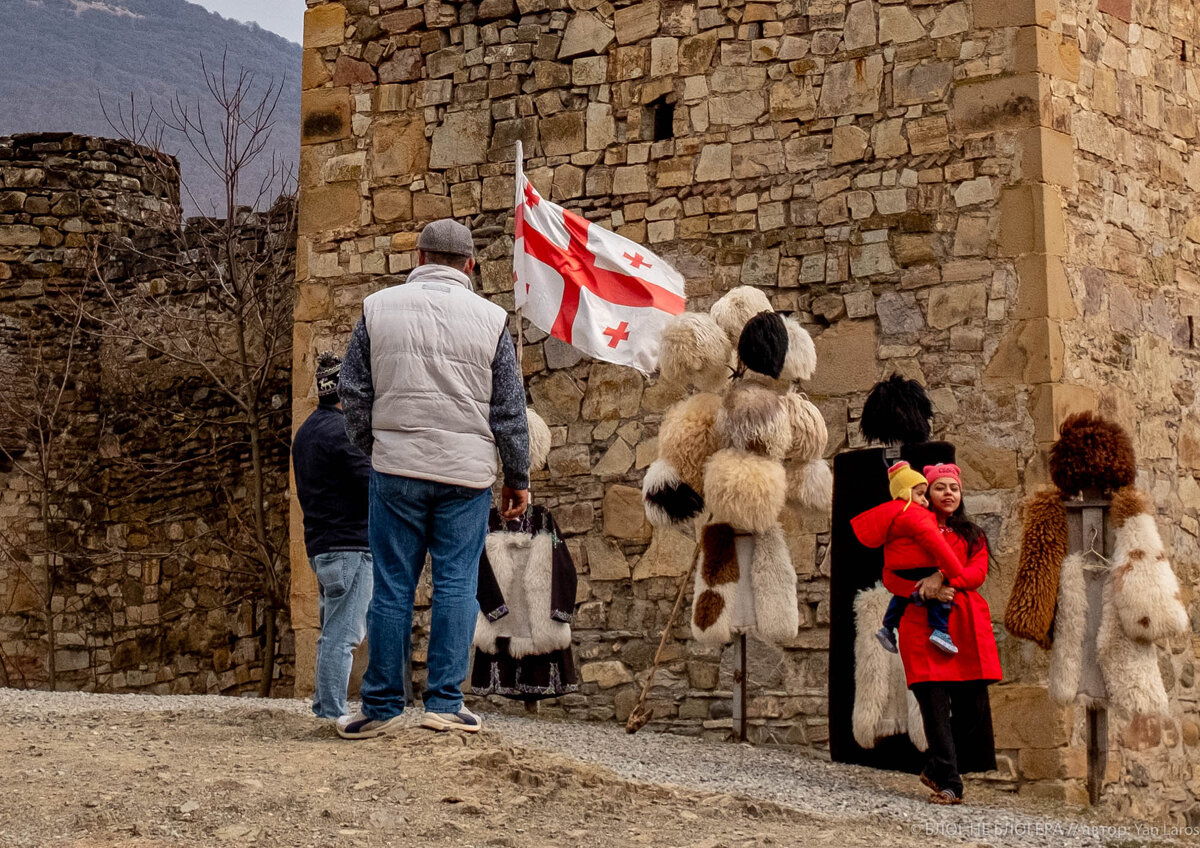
<point x="968" y="530"/>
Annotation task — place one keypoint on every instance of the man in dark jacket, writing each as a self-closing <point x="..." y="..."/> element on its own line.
<point x="332" y="477"/>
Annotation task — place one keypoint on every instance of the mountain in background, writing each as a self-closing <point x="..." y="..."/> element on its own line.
<point x="59" y="58"/>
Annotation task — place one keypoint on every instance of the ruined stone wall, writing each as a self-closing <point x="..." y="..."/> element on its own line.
<point x="136" y="605"/>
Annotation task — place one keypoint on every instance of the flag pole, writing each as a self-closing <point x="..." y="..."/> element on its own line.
<point x="517" y="191"/>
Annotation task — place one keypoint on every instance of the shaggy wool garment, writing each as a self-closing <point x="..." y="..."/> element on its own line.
<point x="753" y="418"/>
<point x="810" y="484"/>
<point x="1130" y="667"/>
<point x="1070" y="629"/>
<point x="1145" y="591"/>
<point x="736" y="308"/>
<point x="809" y="433"/>
<point x="695" y="351"/>
<point x="522" y="565"/>
<point x="883" y="706"/>
<point x="539" y="440"/>
<point x="1030" y="611"/>
<point x="669" y="502"/>
<point x="744" y="489"/>
<point x="1092" y="453"/>
<point x="715" y="586"/>
<point x="776" y="612"/>
<point x="687" y="437"/>
<point x="801" y="360"/>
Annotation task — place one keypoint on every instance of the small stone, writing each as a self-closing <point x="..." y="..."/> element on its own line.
<point x="954" y="304"/>
<point x="849" y="142"/>
<point x="633" y="23"/>
<point x="617" y="460"/>
<point x="605" y="560"/>
<point x="852" y="88"/>
<point x="188" y="807"/>
<point x="715" y="163"/>
<point x="871" y="259"/>
<point x="557" y="399"/>
<point x="585" y="33"/>
<point x="606" y="674"/>
<point x="978" y="190"/>
<point x="624" y="517"/>
<point x="860" y="25"/>
<point x="899" y="24"/>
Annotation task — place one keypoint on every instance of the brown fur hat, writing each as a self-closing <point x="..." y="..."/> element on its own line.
<point x="687" y="437"/>
<point x="745" y="490"/>
<point x="737" y="307"/>
<point x="753" y="418"/>
<point x="694" y="351"/>
<point x="1092" y="453"/>
<point x="1030" y="610"/>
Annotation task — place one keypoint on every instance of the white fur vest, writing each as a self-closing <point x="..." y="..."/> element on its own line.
<point x="526" y="589"/>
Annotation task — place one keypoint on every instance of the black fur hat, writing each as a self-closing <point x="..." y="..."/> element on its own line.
<point x="763" y="345"/>
<point x="897" y="412"/>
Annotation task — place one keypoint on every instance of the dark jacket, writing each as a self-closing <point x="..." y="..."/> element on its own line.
<point x="332" y="478"/>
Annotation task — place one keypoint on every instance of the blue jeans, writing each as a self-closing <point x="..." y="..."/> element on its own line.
<point x="408" y="519"/>
<point x="344" y="578"/>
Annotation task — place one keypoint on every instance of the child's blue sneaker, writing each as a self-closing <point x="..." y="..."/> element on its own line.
<point x="943" y="641"/>
<point x="886" y="639"/>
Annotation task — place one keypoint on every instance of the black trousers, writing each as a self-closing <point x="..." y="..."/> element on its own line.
<point x="958" y="725"/>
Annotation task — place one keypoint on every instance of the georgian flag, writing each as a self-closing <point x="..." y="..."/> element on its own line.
<point x="589" y="287"/>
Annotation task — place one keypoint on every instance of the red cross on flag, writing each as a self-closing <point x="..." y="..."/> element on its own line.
<point x="589" y="287"/>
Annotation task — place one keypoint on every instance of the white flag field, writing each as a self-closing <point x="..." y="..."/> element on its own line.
<point x="591" y="288"/>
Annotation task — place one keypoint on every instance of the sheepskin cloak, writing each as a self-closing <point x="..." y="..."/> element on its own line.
<point x="883" y="706"/>
<point x="1030" y="611"/>
<point x="860" y="482"/>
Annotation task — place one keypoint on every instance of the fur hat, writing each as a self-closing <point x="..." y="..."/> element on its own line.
<point x="902" y="479"/>
<point x="809" y="433"/>
<point x="897" y="412"/>
<point x="801" y="359"/>
<point x="687" y="437"/>
<point x="744" y="489"/>
<point x="810" y="484"/>
<point x="694" y="351"/>
<point x="539" y="440"/>
<point x="763" y="344"/>
<point x="737" y="307"/>
<point x="1092" y="453"/>
<point x="329" y="368"/>
<point x="753" y="418"/>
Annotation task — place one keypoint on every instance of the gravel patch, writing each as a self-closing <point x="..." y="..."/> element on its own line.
<point x="771" y="774"/>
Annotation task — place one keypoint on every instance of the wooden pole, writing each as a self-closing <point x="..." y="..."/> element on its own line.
<point x="739" y="690"/>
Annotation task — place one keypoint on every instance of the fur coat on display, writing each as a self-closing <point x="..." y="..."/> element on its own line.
<point x="1030" y="611"/>
<point x="1070" y="628"/>
<point x="883" y="706"/>
<point x="739" y="452"/>
<point x="526" y="595"/>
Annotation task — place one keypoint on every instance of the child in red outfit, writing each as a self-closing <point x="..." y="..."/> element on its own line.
<point x="913" y="548"/>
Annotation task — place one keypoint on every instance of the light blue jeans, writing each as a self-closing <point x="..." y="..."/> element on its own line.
<point x="345" y="579"/>
<point x="410" y="518"/>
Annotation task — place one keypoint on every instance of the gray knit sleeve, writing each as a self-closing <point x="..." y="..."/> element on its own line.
<point x="510" y="428"/>
<point x="356" y="390"/>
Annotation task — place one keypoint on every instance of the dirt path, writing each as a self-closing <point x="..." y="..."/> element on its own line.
<point x="251" y="774"/>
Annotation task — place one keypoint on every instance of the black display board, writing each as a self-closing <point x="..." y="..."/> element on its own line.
<point x="859" y="483"/>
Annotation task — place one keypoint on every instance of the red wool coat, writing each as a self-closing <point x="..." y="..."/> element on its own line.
<point x="906" y="540"/>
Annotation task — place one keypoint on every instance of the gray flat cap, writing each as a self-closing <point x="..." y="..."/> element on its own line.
<point x="446" y="236"/>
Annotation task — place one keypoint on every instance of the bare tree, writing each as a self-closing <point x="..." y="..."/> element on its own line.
<point x="212" y="303"/>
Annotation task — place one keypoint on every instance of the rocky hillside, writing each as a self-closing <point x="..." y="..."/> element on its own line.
<point x="60" y="58"/>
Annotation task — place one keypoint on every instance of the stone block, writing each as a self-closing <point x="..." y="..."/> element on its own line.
<point x="393" y="204"/>
<point x="431" y="207"/>
<point x="585" y="33"/>
<point x="1032" y="221"/>
<point x="1070" y="791"/>
<point x="849" y="142"/>
<point x="715" y="163"/>
<point x="601" y="128"/>
<point x="349" y="71"/>
<point x="605" y="560"/>
<point x="617" y="460"/>
<point x="916" y="84"/>
<point x="605" y="674"/>
<point x="633" y="23"/>
<point x="1039" y="50"/>
<point x="852" y="88"/>
<point x="399" y="148"/>
<point x="669" y="555"/>
<point x="404" y="66"/>
<point x="1016" y="13"/>
<point x="951" y="20"/>
<point x="613" y="392"/>
<point x="898" y="24"/>
<point x="996" y="103"/>
<point x="461" y="139"/>
<point x="557" y="399"/>
<point x="869" y="260"/>
<point x="1051" y="403"/>
<point x="313" y="302"/>
<point x="314" y="73"/>
<point x="630" y="179"/>
<point x="793" y="100"/>
<point x="859" y="30"/>
<point x="1052" y="763"/>
<point x="664" y="57"/>
<point x="887" y="137"/>
<point x="846" y="359"/>
<point x="954" y="304"/>
<point x="736" y="109"/>
<point x="402" y="21"/>
<point x="624" y="517"/>
<point x="1045" y="155"/>
<point x="324" y="115"/>
<point x="329" y="207"/>
<point x="1031" y="352"/>
<point x="1023" y="716"/>
<point x="1042" y="288"/>
<point x="563" y="134"/>
<point x="569" y="461"/>
<point x="589" y="70"/>
<point x="325" y="26"/>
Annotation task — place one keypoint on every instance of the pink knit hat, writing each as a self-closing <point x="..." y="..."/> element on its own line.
<point x="949" y="469"/>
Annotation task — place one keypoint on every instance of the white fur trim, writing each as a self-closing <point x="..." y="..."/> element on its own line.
<point x="1145" y="591"/>
<point x="744" y="489"/>
<point x="694" y="351"/>
<point x="539" y="440"/>
<point x="737" y="307"/>
<point x="801" y="359"/>
<point x="523" y="567"/>
<point x="776" y="610"/>
<point x="1070" y="625"/>
<point x="1130" y="668"/>
<point x="882" y="705"/>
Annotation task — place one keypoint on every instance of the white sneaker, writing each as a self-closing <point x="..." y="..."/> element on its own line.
<point x="463" y="720"/>
<point x="360" y="727"/>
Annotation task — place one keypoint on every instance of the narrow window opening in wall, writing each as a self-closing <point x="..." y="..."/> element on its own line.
<point x="664" y="119"/>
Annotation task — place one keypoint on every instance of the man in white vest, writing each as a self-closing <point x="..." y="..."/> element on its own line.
<point x="431" y="392"/>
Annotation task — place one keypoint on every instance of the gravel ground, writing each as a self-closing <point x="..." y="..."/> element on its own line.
<point x="888" y="802"/>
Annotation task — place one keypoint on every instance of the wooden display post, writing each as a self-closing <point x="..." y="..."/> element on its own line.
<point x="1089" y="532"/>
<point x="739" y="689"/>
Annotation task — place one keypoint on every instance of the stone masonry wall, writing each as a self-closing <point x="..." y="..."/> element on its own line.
<point x="130" y="611"/>
<point x="887" y="171"/>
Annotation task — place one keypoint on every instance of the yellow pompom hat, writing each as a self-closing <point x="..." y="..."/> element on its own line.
<point x="901" y="480"/>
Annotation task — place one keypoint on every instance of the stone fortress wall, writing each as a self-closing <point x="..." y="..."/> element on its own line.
<point x="916" y="181"/>
<point x="128" y="613"/>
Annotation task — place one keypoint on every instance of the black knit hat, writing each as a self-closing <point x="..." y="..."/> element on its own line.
<point x="329" y="366"/>
<point x="763" y="344"/>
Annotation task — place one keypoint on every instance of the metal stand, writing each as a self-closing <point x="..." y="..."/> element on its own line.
<point x="739" y="689"/>
<point x="1088" y="531"/>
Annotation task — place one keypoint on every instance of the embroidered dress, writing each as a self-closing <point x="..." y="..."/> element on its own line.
<point x="526" y="596"/>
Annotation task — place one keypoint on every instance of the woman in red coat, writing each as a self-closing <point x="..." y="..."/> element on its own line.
<point x="952" y="688"/>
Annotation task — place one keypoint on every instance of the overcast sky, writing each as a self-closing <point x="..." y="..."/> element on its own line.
<point x="285" y="17"/>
